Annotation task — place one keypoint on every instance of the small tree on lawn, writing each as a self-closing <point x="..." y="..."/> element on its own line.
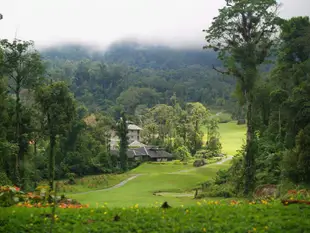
<point x="213" y="142"/>
<point x="182" y="153"/>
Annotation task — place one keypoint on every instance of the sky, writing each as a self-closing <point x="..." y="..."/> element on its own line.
<point x="101" y="22"/>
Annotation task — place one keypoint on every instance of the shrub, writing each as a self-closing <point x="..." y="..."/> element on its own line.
<point x="199" y="163"/>
<point x="71" y="177"/>
<point x="4" y="180"/>
<point x="224" y="118"/>
<point x="214" y="146"/>
<point x="222" y="176"/>
<point x="203" y="154"/>
<point x="214" y="190"/>
<point x="182" y="153"/>
<point x="10" y="195"/>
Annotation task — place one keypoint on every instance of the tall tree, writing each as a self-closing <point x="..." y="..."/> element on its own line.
<point x="198" y="116"/>
<point x="23" y="67"/>
<point x="243" y="34"/>
<point x="58" y="106"/>
<point x="122" y="131"/>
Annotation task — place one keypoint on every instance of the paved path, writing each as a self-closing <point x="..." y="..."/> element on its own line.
<point x="224" y="160"/>
<point x="113" y="187"/>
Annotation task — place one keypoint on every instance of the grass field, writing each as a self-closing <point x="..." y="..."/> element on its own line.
<point x="160" y="168"/>
<point x="89" y="183"/>
<point x="232" y="137"/>
<point x="153" y="178"/>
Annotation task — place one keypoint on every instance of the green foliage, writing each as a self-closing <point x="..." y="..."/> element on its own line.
<point x="126" y="77"/>
<point x="182" y="153"/>
<point x="122" y="131"/>
<point x="215" y="190"/>
<point x="213" y="137"/>
<point x="10" y="195"/>
<point x="4" y="180"/>
<point x="224" y="117"/>
<point x="239" y="218"/>
<point x="57" y="105"/>
<point x="243" y="34"/>
<point x="23" y="67"/>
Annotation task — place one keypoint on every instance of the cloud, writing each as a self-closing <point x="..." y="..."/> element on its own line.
<point x="100" y="22"/>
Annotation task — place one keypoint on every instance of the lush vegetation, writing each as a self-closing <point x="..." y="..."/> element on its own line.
<point x="276" y="148"/>
<point x="208" y="216"/>
<point x="59" y="107"/>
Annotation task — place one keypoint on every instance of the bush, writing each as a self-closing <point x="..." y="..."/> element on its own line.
<point x="214" y="190"/>
<point x="71" y="177"/>
<point x="4" y="180"/>
<point x="10" y="195"/>
<point x="214" y="146"/>
<point x="203" y="154"/>
<point x="241" y="122"/>
<point x="199" y="163"/>
<point x="182" y="153"/>
<point x="224" y="118"/>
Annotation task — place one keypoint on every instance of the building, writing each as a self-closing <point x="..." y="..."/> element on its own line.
<point x="133" y="135"/>
<point x="147" y="153"/>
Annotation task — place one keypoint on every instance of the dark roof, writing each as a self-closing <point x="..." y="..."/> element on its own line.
<point x="153" y="152"/>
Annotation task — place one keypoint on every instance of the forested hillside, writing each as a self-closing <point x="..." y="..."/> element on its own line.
<point x="130" y="76"/>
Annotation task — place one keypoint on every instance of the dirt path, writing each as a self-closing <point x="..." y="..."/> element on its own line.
<point x="113" y="187"/>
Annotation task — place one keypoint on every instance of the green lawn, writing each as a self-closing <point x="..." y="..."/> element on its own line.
<point x="141" y="190"/>
<point x="160" y="168"/>
<point x="232" y="137"/>
<point x="203" y="217"/>
<point x="89" y="183"/>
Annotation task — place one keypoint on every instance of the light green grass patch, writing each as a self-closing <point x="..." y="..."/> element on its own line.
<point x="142" y="189"/>
<point x="89" y="183"/>
<point x="232" y="137"/>
<point x="160" y="168"/>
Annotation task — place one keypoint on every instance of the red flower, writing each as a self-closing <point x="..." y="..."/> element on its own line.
<point x="17" y="189"/>
<point x="292" y="192"/>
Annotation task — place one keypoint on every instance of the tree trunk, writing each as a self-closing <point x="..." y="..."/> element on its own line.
<point x="279" y="119"/>
<point x="51" y="168"/>
<point x="249" y="160"/>
<point x="17" y="134"/>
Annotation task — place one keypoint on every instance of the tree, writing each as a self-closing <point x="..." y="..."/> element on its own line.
<point x="197" y="116"/>
<point x="23" y="67"/>
<point x="213" y="140"/>
<point x="122" y="131"/>
<point x="58" y="106"/>
<point x="182" y="153"/>
<point x="243" y="34"/>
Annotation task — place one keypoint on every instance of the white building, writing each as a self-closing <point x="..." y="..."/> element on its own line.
<point x="133" y="135"/>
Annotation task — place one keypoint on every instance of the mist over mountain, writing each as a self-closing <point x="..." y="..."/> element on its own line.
<point x="133" y="53"/>
<point x="130" y="75"/>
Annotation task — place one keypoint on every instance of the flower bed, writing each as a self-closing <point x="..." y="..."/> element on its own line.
<point x="206" y="216"/>
<point x="41" y="198"/>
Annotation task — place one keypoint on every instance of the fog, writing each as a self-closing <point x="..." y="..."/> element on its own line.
<point x="101" y="22"/>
